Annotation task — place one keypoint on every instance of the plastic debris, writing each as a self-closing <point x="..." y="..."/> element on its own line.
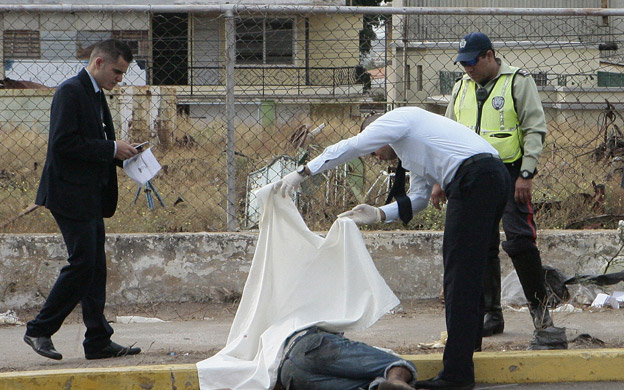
<point x="603" y="300"/>
<point x="567" y="308"/>
<point x="9" y="318"/>
<point x="136" y="320"/>
<point x="511" y="291"/>
<point x="438" y="344"/>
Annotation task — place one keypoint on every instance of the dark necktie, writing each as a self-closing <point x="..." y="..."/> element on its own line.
<point x="398" y="192"/>
<point x="100" y="104"/>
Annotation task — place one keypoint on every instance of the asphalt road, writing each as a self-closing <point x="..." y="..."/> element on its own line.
<point x="197" y="333"/>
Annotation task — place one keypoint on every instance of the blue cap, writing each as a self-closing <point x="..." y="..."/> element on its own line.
<point x="471" y="45"/>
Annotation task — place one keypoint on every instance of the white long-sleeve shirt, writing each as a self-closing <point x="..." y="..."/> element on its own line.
<point x="430" y="146"/>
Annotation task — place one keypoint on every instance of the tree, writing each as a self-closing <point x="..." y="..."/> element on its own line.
<point x="367" y="34"/>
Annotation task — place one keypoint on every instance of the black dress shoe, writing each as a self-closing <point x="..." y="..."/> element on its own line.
<point x="493" y="323"/>
<point x="439" y="383"/>
<point x="112" y="350"/>
<point x="43" y="346"/>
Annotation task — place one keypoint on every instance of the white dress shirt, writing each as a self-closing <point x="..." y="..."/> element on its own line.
<point x="430" y="146"/>
<point x="97" y="89"/>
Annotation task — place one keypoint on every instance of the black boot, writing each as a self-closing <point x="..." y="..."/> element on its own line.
<point x="493" y="322"/>
<point x="548" y="338"/>
<point x="528" y="265"/>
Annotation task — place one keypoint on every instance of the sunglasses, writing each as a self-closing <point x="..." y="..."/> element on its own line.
<point x="470" y="63"/>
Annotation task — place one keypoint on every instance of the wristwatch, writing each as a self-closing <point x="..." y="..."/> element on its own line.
<point x="526" y="174"/>
<point x="301" y="170"/>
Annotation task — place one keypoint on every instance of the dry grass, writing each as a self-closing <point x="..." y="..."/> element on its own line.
<point x="194" y="178"/>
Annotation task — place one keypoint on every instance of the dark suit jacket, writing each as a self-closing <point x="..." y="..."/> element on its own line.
<point x="79" y="179"/>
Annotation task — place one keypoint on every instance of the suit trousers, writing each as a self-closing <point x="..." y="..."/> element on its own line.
<point x="476" y="200"/>
<point x="82" y="281"/>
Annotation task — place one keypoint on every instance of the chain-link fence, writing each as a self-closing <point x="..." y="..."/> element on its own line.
<point x="233" y="97"/>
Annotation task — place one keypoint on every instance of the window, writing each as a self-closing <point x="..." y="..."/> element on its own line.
<point x="20" y="44"/>
<point x="136" y="39"/>
<point x="541" y="79"/>
<point x="264" y="41"/>
<point x="447" y="81"/>
<point x="85" y="40"/>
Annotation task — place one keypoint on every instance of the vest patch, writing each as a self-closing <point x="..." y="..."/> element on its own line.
<point x="498" y="102"/>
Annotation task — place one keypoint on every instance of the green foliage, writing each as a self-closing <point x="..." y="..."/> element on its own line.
<point x="369" y="21"/>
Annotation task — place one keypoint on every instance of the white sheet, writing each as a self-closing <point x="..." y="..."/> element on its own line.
<point x="297" y="279"/>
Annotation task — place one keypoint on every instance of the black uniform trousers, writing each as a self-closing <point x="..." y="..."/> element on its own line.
<point x="521" y="233"/>
<point x="476" y="200"/>
<point x="82" y="281"/>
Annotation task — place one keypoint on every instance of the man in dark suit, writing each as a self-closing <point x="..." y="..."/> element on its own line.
<point x="79" y="187"/>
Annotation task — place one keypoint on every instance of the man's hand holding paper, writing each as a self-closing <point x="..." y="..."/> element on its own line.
<point x="142" y="167"/>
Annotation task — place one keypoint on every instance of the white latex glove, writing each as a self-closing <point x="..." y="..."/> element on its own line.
<point x="363" y="214"/>
<point x="289" y="183"/>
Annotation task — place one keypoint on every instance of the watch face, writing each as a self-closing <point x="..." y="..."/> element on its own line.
<point x="526" y="174"/>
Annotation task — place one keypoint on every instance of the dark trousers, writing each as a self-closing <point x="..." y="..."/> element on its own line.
<point x="476" y="200"/>
<point x="82" y="281"/>
<point x="518" y="223"/>
<point x="521" y="233"/>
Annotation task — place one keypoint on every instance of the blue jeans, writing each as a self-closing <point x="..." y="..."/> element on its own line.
<point x="327" y="361"/>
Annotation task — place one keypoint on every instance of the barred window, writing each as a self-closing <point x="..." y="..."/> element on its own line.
<point x="136" y="39"/>
<point x="19" y="44"/>
<point x="85" y="40"/>
<point x="264" y="41"/>
<point x="541" y="79"/>
<point x="447" y="81"/>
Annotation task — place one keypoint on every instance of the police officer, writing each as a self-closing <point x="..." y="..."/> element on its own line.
<point x="501" y="103"/>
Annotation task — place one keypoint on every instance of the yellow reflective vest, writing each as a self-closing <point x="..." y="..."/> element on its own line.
<point x="499" y="120"/>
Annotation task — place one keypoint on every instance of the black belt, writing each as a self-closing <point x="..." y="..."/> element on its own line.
<point x="476" y="158"/>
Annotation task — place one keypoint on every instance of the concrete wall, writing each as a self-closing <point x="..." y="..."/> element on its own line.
<point x="213" y="266"/>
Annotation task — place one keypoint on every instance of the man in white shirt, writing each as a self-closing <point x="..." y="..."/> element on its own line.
<point x="436" y="150"/>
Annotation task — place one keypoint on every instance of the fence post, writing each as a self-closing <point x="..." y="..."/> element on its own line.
<point x="230" y="39"/>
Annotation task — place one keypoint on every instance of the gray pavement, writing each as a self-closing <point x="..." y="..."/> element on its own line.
<point x="188" y="341"/>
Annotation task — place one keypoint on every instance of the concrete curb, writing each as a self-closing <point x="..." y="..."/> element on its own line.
<point x="580" y="365"/>
<point x="590" y="365"/>
<point x="165" y="377"/>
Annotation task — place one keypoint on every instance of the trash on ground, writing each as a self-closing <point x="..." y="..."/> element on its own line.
<point x="603" y="300"/>
<point x="137" y="320"/>
<point x="9" y="318"/>
<point x="585" y="294"/>
<point x="438" y="344"/>
<point x="511" y="291"/>
<point x="521" y="309"/>
<point x="600" y="280"/>
<point x="567" y="308"/>
<point x="585" y="340"/>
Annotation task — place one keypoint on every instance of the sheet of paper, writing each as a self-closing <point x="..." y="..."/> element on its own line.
<point x="142" y="167"/>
